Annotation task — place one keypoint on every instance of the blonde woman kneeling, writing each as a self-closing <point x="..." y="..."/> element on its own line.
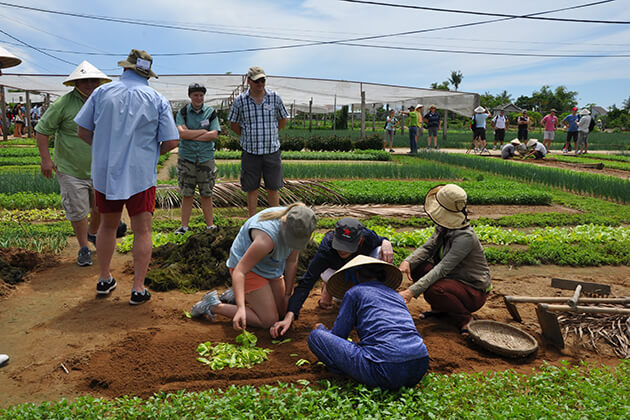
<point x="266" y="247"/>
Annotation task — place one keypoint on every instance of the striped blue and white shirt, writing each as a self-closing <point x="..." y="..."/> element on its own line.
<point x="259" y="123"/>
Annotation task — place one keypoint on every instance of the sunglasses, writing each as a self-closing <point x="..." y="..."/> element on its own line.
<point x="261" y="80"/>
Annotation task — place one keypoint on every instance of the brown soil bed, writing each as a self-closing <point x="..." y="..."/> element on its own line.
<point x="111" y="348"/>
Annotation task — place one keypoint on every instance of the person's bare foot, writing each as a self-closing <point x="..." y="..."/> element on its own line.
<point x="325" y="302"/>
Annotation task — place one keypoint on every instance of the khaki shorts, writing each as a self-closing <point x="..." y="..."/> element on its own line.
<point x="549" y="135"/>
<point x="193" y="174"/>
<point x="77" y="196"/>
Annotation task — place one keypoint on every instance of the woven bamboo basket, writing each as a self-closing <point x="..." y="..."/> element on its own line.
<point x="502" y="339"/>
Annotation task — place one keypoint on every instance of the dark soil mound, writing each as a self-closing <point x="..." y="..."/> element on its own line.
<point x="16" y="262"/>
<point x="199" y="263"/>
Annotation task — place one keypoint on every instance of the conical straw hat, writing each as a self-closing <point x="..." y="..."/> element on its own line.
<point x="7" y="59"/>
<point x="86" y="70"/>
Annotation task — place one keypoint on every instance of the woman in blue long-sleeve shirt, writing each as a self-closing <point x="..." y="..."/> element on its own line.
<point x="391" y="353"/>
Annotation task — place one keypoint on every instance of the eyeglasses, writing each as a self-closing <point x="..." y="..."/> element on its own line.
<point x="261" y="80"/>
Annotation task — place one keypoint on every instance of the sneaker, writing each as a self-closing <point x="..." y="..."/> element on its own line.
<point x="104" y="287"/>
<point x="138" y="298"/>
<point x="85" y="257"/>
<point x="477" y="150"/>
<point x="92" y="238"/>
<point x="391" y="150"/>
<point x="181" y="230"/>
<point x="494" y="147"/>
<point x="564" y="150"/>
<point x="204" y="306"/>
<point x="437" y="148"/>
<point x="228" y="296"/>
<point x="484" y="150"/>
<point x="4" y="358"/>
<point x="121" y="230"/>
<point x="211" y="227"/>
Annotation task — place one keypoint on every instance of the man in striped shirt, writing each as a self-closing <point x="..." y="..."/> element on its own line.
<point x="257" y="115"/>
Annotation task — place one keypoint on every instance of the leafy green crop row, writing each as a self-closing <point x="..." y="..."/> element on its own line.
<point x="26" y="200"/>
<point x="581" y="182"/>
<point x="21" y="160"/>
<point x="609" y="164"/>
<point x="298" y="170"/>
<point x="489" y="191"/>
<point x="32" y="182"/>
<point x="20" y="152"/>
<point x="577" y="392"/>
<point x="289" y="155"/>
<point x="49" y="238"/>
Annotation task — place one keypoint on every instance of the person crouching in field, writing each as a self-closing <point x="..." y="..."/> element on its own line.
<point x="509" y="150"/>
<point x="267" y="246"/>
<point x="536" y="149"/>
<point x="391" y="353"/>
<point x="450" y="269"/>
<point x="349" y="239"/>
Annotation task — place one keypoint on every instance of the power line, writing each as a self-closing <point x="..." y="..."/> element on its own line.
<point x="471" y="12"/>
<point x="37" y="49"/>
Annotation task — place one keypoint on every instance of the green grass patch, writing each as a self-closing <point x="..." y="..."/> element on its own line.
<point x="567" y="392"/>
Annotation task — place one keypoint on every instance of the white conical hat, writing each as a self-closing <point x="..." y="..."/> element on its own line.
<point x="86" y="70"/>
<point x="7" y="59"/>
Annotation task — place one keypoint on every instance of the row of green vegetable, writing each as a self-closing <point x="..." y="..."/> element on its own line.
<point x="549" y="392"/>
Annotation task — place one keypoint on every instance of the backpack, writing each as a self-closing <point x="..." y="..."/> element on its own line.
<point x="591" y="125"/>
<point x="184" y="115"/>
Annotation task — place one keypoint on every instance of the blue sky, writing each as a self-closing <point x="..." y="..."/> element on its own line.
<point x="228" y="25"/>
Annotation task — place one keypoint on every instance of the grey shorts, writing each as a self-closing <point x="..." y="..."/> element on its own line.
<point x="193" y="174"/>
<point x="549" y="135"/>
<point x="77" y="196"/>
<point x="253" y="166"/>
<point x="433" y="131"/>
<point x="582" y="140"/>
<point x="389" y="136"/>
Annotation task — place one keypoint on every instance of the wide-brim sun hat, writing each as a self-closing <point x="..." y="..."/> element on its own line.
<point x="86" y="70"/>
<point x="446" y="206"/>
<point x="432" y="106"/>
<point x="344" y="278"/>
<point x="298" y="227"/>
<point x="531" y="142"/>
<point x="585" y="111"/>
<point x="7" y="59"/>
<point x="419" y="106"/>
<point x="516" y="142"/>
<point x="139" y="61"/>
<point x="480" y="109"/>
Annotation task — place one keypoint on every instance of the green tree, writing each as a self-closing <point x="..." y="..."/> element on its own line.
<point x="626" y="104"/>
<point x="441" y="86"/>
<point x="341" y="122"/>
<point x="456" y="78"/>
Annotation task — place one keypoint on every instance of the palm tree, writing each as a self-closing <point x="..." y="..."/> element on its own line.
<point x="456" y="78"/>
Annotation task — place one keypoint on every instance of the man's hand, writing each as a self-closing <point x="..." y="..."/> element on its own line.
<point x="406" y="269"/>
<point x="387" y="251"/>
<point x="407" y="295"/>
<point x="280" y="328"/>
<point x="47" y="167"/>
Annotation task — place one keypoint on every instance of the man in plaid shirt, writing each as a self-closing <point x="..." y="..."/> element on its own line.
<point x="257" y="115"/>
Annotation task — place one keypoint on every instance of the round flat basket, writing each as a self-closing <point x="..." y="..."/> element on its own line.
<point x="502" y="339"/>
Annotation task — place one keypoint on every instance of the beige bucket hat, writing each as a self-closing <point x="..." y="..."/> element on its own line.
<point x="298" y="227"/>
<point x="7" y="59"/>
<point x="344" y="278"/>
<point x="139" y="61"/>
<point x="446" y="206"/>
<point x="86" y="70"/>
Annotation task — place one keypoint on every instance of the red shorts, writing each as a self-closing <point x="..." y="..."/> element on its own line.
<point x="136" y="204"/>
<point x="254" y="281"/>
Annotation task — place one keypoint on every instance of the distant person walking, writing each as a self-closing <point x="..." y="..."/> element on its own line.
<point x="500" y="123"/>
<point x="584" y="128"/>
<point x="479" y="125"/>
<point x="432" y="118"/>
<point x="390" y="130"/>
<point x="570" y="122"/>
<point x="550" y="122"/>
<point x="128" y="124"/>
<point x="72" y="156"/>
<point x="257" y="115"/>
<point x="198" y="127"/>
<point x="523" y="126"/>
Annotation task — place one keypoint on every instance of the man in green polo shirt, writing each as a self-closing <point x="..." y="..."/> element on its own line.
<point x="72" y="156"/>
<point x="198" y="128"/>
